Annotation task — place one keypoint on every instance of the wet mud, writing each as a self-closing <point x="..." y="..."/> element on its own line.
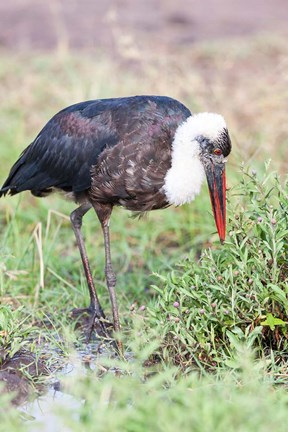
<point x="17" y="376"/>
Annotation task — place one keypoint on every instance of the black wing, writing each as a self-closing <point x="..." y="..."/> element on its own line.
<point x="62" y="154"/>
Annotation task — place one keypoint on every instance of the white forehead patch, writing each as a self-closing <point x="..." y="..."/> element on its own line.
<point x="209" y="125"/>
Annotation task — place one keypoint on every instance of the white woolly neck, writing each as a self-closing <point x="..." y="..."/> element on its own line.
<point x="184" y="179"/>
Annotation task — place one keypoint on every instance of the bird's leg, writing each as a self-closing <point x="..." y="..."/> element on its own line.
<point x="103" y="213"/>
<point x="110" y="277"/>
<point x="111" y="283"/>
<point x="94" y="308"/>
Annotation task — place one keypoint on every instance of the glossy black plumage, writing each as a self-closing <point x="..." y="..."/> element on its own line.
<point x="72" y="142"/>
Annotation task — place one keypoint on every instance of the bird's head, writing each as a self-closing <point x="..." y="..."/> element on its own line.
<point x="200" y="147"/>
<point x="215" y="146"/>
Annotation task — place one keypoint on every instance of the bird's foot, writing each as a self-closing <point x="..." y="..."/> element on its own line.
<point x="92" y="320"/>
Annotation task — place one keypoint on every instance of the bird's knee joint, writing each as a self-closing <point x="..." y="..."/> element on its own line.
<point x="75" y="220"/>
<point x="110" y="277"/>
<point x="111" y="280"/>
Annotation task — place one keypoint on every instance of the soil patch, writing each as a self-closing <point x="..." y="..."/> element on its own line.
<point x="18" y="373"/>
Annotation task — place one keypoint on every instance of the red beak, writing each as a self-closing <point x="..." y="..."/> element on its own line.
<point x="216" y="179"/>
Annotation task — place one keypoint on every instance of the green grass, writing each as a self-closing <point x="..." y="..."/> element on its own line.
<point x="215" y="367"/>
<point x="14" y="332"/>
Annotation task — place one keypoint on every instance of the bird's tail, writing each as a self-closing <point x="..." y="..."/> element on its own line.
<point x="14" y="182"/>
<point x="4" y="191"/>
<point x="10" y="184"/>
<point x="8" y="188"/>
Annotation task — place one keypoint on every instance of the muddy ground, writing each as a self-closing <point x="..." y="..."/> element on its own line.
<point x="17" y="374"/>
<point x="163" y="24"/>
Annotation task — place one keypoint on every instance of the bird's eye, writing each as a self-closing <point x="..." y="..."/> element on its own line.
<point x="218" y="151"/>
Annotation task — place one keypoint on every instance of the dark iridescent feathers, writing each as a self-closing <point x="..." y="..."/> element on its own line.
<point x="71" y="143"/>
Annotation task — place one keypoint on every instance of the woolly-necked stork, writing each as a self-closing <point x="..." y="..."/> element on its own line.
<point x="142" y="153"/>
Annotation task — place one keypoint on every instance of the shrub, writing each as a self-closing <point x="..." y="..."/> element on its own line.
<point x="235" y="293"/>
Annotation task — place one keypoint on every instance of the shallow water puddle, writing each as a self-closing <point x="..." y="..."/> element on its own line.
<point x="41" y="414"/>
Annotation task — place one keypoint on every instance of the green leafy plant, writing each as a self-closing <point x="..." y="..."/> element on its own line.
<point x="234" y="293"/>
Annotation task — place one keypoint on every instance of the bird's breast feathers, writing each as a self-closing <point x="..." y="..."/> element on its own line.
<point x="132" y="175"/>
<point x="149" y="175"/>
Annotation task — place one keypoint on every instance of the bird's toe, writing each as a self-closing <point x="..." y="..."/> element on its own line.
<point x="92" y="322"/>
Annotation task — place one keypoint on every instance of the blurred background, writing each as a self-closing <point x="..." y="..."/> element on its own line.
<point x="160" y="24"/>
<point x="229" y="56"/>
